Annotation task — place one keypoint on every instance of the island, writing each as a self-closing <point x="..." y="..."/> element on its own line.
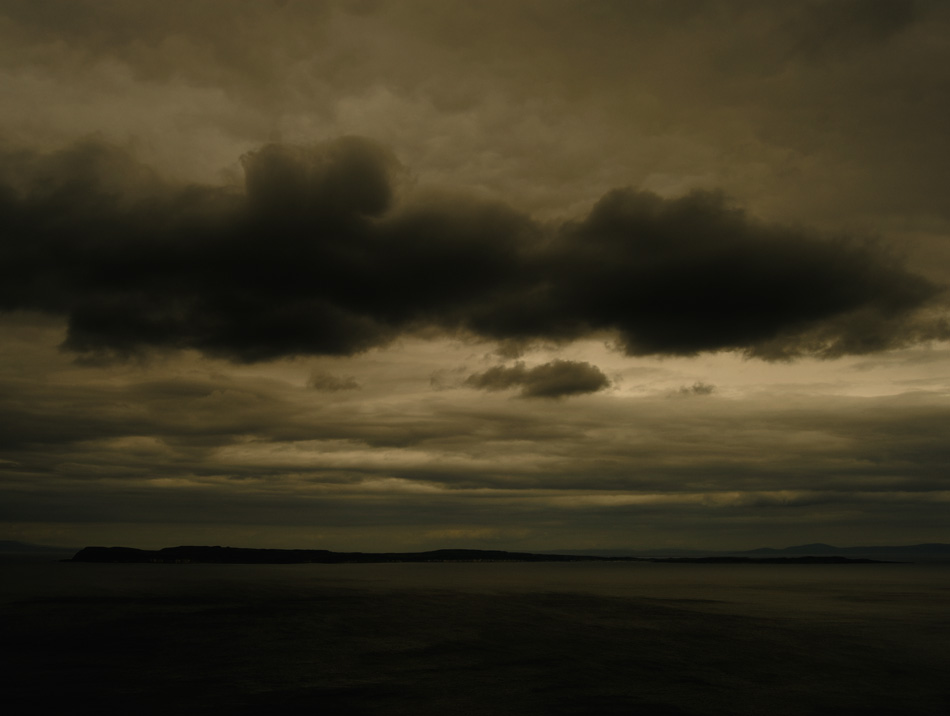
<point x="245" y="555"/>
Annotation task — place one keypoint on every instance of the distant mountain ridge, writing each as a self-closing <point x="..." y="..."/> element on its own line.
<point x="17" y="547"/>
<point x="924" y="552"/>
<point x="820" y="548"/>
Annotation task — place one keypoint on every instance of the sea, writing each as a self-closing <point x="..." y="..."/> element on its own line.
<point x="475" y="638"/>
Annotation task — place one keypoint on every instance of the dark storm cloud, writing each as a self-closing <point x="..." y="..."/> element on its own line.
<point x="556" y="379"/>
<point x="319" y="258"/>
<point x="695" y="274"/>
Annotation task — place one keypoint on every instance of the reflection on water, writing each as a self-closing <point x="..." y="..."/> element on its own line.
<point x="559" y="638"/>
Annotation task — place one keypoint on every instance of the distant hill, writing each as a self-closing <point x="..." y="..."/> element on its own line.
<point x="926" y="552"/>
<point x="243" y="555"/>
<point x="240" y="555"/>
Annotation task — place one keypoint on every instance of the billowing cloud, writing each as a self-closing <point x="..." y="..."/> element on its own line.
<point x="557" y="379"/>
<point x="317" y="257"/>
<point x="696" y="274"/>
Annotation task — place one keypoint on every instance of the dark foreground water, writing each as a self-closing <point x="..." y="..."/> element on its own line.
<point x="621" y="638"/>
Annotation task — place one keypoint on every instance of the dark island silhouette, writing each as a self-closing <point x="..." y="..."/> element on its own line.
<point x="244" y="555"/>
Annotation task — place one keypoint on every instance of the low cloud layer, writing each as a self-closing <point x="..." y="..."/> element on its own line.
<point x="557" y="379"/>
<point x="331" y="383"/>
<point x="320" y="257"/>
<point x="139" y="446"/>
<point x="697" y="388"/>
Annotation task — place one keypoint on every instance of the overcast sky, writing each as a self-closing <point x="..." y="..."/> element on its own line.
<point x="526" y="274"/>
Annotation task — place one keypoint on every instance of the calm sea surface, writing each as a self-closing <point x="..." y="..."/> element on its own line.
<point x="485" y="638"/>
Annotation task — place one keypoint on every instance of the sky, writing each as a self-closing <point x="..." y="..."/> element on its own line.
<point x="520" y="274"/>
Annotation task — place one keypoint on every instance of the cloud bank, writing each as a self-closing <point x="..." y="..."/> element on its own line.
<point x="320" y="256"/>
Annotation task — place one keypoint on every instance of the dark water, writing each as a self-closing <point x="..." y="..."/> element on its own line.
<point x="622" y="638"/>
